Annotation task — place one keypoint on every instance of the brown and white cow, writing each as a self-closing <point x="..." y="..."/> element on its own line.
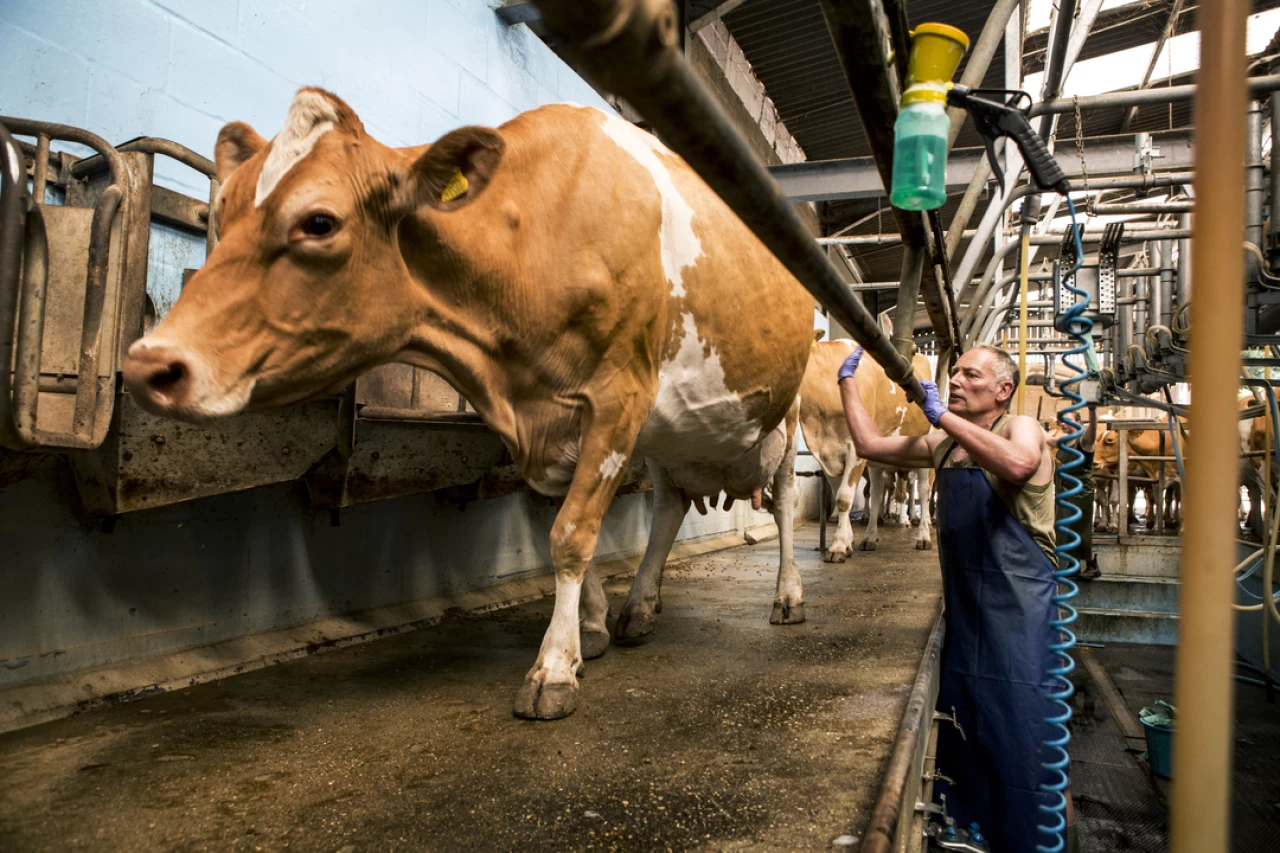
<point x="588" y="294"/>
<point x="826" y="432"/>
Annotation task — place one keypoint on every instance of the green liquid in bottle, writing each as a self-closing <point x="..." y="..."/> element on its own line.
<point x="920" y="158"/>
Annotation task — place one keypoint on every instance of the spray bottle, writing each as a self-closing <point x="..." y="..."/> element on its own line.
<point x="921" y="131"/>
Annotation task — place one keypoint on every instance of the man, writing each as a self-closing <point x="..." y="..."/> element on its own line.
<point x="995" y="543"/>
<point x="1084" y="501"/>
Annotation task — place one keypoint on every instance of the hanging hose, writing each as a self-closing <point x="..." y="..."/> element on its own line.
<point x="1078" y="327"/>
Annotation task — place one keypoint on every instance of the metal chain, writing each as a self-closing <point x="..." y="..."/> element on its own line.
<point x="1084" y="171"/>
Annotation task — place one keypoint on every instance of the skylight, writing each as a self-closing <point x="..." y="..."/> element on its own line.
<point x="1124" y="68"/>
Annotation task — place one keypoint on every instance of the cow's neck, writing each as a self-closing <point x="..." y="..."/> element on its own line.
<point x="462" y="332"/>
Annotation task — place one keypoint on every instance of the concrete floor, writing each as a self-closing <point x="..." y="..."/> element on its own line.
<point x="722" y="732"/>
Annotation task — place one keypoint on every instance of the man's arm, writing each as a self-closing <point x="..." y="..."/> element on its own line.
<point x="1014" y="459"/>
<point x="899" y="451"/>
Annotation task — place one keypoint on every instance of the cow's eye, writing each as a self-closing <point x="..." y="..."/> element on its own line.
<point x="319" y="225"/>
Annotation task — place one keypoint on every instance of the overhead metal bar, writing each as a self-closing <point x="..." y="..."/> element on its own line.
<point x="630" y="47"/>
<point x="1155" y="57"/>
<point x="1255" y="86"/>
<point x="859" y="177"/>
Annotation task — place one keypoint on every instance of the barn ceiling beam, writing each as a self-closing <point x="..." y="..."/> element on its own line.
<point x="1155" y="56"/>
<point x="709" y="17"/>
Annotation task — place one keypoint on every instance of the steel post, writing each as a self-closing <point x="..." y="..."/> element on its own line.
<point x="1200" y="805"/>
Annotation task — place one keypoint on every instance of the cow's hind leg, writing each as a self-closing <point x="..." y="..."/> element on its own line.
<point x="788" y="600"/>
<point x="920" y="479"/>
<point x="594" y="628"/>
<point x="876" y="476"/>
<point x="639" y="613"/>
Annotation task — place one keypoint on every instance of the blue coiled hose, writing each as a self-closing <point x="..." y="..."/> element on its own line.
<point x="1078" y="327"/>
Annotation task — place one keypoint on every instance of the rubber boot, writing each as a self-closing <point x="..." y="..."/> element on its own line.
<point x="1073" y="839"/>
<point x="1090" y="572"/>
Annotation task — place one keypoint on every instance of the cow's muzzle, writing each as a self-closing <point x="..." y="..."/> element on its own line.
<point x="160" y="377"/>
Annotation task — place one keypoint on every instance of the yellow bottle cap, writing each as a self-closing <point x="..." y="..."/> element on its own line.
<point x="936" y="51"/>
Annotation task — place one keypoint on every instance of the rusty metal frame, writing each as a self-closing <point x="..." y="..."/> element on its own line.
<point x="22" y="298"/>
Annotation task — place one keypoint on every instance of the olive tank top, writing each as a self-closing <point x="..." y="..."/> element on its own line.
<point x="1031" y="505"/>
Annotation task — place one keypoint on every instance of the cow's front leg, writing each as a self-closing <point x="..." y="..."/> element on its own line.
<point x="550" y="690"/>
<point x="594" y="628"/>
<point x="788" y="600"/>
<point x="920" y="478"/>
<point x="876" y="476"/>
<point x="639" y="613"/>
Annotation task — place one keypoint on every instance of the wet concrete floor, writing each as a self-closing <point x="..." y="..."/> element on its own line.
<point x="722" y="732"/>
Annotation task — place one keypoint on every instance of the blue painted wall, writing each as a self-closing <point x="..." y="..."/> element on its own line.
<point x="180" y="69"/>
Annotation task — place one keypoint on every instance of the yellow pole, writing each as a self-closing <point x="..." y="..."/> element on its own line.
<point x="1022" y="316"/>
<point x="1201" y="806"/>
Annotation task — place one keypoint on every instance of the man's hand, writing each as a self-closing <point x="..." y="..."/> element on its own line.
<point x="850" y="365"/>
<point x="932" y="404"/>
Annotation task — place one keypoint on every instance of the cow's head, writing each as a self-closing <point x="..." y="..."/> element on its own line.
<point x="307" y="287"/>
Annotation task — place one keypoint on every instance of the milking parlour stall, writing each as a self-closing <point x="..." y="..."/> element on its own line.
<point x="639" y="425"/>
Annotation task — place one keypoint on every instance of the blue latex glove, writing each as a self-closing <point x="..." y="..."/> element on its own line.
<point x="850" y="365"/>
<point x="932" y="405"/>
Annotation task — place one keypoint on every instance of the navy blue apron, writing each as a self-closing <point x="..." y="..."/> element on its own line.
<point x="997" y="584"/>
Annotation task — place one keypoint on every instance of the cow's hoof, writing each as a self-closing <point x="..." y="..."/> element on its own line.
<point x="540" y="701"/>
<point x="834" y="556"/>
<point x="867" y="545"/>
<point x="785" y="613"/>
<point x="594" y="644"/>
<point x="924" y="545"/>
<point x="633" y="627"/>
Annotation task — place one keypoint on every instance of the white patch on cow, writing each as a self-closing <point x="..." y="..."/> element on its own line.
<point x="679" y="245"/>
<point x="311" y="116"/>
<point x="612" y="465"/>
<point x="695" y="417"/>
<point x="900" y="411"/>
<point x="16" y="165"/>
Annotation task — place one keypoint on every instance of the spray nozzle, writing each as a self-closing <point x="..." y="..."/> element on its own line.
<point x="1007" y="117"/>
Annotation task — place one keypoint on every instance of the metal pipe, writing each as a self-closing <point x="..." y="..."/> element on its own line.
<point x="40" y="173"/>
<point x="1163" y="312"/>
<point x="95" y="294"/>
<point x="1137" y="272"/>
<point x="629" y="47"/>
<point x="1054" y="71"/>
<point x="1141" y="299"/>
<point x="1116" y="208"/>
<point x="1144" y="182"/>
<point x="1200" y="805"/>
<point x="1256" y="87"/>
<point x="904" y="314"/>
<point x="868" y="240"/>
<point x="1275" y="168"/>
<point x="884" y="828"/>
<point x="1255" y="183"/>
<point x="1185" y="260"/>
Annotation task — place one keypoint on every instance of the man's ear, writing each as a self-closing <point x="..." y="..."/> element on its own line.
<point x="237" y="142"/>
<point x="455" y="170"/>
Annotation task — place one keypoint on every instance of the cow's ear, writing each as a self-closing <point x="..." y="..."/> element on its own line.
<point x="819" y="334"/>
<point x="456" y="169"/>
<point x="237" y="142"/>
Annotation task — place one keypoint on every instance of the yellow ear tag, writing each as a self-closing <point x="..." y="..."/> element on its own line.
<point x="456" y="188"/>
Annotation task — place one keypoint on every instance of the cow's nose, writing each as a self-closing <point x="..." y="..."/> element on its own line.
<point x="159" y="377"/>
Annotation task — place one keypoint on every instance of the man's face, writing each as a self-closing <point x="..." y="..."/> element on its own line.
<point x="974" y="389"/>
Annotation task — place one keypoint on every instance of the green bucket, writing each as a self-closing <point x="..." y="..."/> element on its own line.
<point x="1160" y="749"/>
